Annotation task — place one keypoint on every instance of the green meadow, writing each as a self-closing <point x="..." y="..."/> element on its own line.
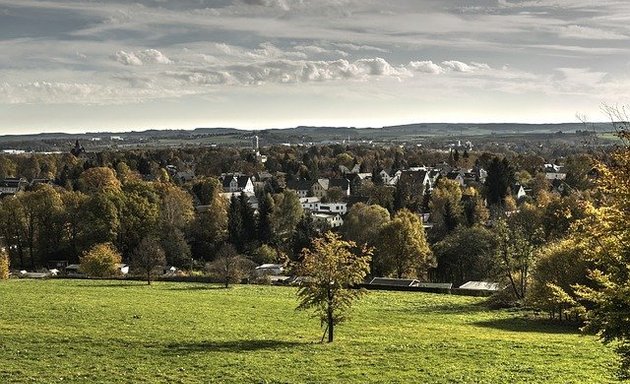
<point x="88" y="331"/>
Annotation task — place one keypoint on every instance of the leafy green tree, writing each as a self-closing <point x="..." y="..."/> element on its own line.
<point x="445" y="206"/>
<point x="8" y="167"/>
<point x="473" y="208"/>
<point x="363" y="223"/>
<point x="100" y="261"/>
<point x="229" y="267"/>
<point x="210" y="226"/>
<point x="287" y="212"/>
<point x="41" y="209"/>
<point x="205" y="190"/>
<point x="559" y="268"/>
<point x="100" y="219"/>
<point x="303" y="235"/>
<point x="72" y="218"/>
<point x="99" y="179"/>
<point x="13" y="227"/>
<point x="139" y="212"/>
<point x="465" y="254"/>
<point x="403" y="249"/>
<point x="332" y="271"/>
<point x="148" y="258"/>
<point x="176" y="206"/>
<point x="176" y="248"/>
<point x="608" y="248"/>
<point x="334" y="195"/>
<point x="577" y="168"/>
<point x="265" y="254"/>
<point x="515" y="258"/>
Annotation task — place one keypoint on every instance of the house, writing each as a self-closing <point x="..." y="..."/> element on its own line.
<point x="355" y="169"/>
<point x="12" y="185"/>
<point x="301" y="186"/>
<point x="310" y="203"/>
<point x="518" y="191"/>
<point x="340" y="208"/>
<point x="332" y="220"/>
<point x="434" y="175"/>
<point x="321" y="187"/>
<point x="185" y="176"/>
<point x="417" y="180"/>
<point x="456" y="176"/>
<point x="554" y="172"/>
<point x="237" y="183"/>
<point x="385" y="177"/>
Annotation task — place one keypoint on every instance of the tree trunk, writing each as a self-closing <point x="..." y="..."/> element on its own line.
<point x="330" y="317"/>
<point x="149" y="277"/>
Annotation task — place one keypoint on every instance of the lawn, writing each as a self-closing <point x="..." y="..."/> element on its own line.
<point x="81" y="331"/>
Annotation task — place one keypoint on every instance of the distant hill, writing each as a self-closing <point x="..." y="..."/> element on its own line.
<point x="300" y="134"/>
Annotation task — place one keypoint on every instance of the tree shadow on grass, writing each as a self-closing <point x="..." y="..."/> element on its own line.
<point x="444" y="308"/>
<point x="198" y="288"/>
<point x="537" y="325"/>
<point x="127" y="284"/>
<point x="228" y="346"/>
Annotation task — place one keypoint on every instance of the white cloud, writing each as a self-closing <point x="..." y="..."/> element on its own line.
<point x="147" y="56"/>
<point x="426" y="66"/>
<point x="127" y="58"/>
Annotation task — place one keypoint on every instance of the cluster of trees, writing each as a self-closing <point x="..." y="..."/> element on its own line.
<point x="52" y="223"/>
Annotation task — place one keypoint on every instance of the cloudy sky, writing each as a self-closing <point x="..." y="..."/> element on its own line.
<point x="83" y="65"/>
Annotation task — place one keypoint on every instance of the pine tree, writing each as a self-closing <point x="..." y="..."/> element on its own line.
<point x="265" y="210"/>
<point x="235" y="223"/>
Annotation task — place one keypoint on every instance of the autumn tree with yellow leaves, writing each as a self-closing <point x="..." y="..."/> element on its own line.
<point x="331" y="270"/>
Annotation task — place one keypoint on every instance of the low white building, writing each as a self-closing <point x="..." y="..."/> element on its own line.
<point x="333" y="220"/>
<point x="315" y="205"/>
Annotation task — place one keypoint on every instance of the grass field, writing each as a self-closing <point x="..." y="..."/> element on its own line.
<point x="80" y="331"/>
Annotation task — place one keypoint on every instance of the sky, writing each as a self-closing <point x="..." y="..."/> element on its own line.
<point x="114" y="65"/>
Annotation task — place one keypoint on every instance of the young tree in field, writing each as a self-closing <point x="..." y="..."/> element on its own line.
<point x="100" y="261"/>
<point x="331" y="270"/>
<point x="148" y="258"/>
<point x="230" y="267"/>
<point x="4" y="264"/>
<point x="403" y="249"/>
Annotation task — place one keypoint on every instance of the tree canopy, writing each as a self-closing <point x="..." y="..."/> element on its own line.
<point x="331" y="270"/>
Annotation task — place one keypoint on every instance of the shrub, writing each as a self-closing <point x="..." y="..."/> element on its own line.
<point x="101" y="261"/>
<point x="4" y="265"/>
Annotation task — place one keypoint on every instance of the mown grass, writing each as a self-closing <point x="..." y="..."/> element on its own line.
<point x="80" y="331"/>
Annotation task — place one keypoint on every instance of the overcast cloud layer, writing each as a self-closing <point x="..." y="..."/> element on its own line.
<point x="116" y="65"/>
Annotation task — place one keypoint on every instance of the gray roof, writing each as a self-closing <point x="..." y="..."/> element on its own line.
<point x="394" y="282"/>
